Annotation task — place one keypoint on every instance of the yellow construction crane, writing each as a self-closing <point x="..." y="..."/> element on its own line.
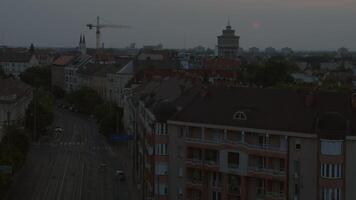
<point x="99" y="26"/>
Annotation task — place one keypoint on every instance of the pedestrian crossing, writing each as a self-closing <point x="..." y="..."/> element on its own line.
<point x="71" y="143"/>
<point x="74" y="144"/>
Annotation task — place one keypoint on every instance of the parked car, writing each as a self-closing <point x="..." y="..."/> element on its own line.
<point x="58" y="129"/>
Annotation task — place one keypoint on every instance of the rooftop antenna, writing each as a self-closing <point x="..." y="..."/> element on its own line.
<point x="228" y="21"/>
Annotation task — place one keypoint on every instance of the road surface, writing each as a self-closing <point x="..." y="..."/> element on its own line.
<point x="68" y="166"/>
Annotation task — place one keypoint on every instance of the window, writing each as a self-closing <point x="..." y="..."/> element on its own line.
<point x="233" y="160"/>
<point x="330" y="193"/>
<point x="329" y="147"/>
<point x="162" y="188"/>
<point x="261" y="162"/>
<point x="180" y="172"/>
<point x="261" y="187"/>
<point x="240" y="115"/>
<point x="296" y="191"/>
<point x="298" y="146"/>
<point x="180" y="191"/>
<point x="161" y="149"/>
<point x="181" y="132"/>
<point x="216" y="195"/>
<point x="164" y="129"/>
<point x="161" y="169"/>
<point x="262" y="140"/>
<point x="281" y="165"/>
<point x="331" y="170"/>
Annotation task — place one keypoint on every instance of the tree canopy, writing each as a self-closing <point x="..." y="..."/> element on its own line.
<point x="39" y="77"/>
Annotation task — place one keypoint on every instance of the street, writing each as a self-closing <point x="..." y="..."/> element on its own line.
<point x="76" y="164"/>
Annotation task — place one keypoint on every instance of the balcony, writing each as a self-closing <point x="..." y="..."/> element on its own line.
<point x="266" y="172"/>
<point x="264" y="147"/>
<point x="275" y="195"/>
<point x="196" y="162"/>
<point x="203" y="141"/>
<point x="194" y="182"/>
<point x="216" y="184"/>
<point x="233" y="166"/>
<point x="234" y="189"/>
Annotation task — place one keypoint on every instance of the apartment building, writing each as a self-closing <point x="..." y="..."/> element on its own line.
<point x="57" y="70"/>
<point x="14" y="63"/>
<point x="15" y="96"/>
<point x="251" y="144"/>
<point x="108" y="80"/>
<point x="147" y="107"/>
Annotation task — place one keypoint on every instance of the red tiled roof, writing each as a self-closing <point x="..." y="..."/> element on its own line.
<point x="63" y="60"/>
<point x="221" y="63"/>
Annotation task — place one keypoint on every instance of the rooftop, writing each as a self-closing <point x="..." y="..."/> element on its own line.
<point x="13" y="89"/>
<point x="268" y="109"/>
<point x="63" y="60"/>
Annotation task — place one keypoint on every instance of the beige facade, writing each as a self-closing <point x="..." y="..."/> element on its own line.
<point x="350" y="168"/>
<point x="303" y="168"/>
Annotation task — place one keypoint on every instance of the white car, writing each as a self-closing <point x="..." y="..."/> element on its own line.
<point x="120" y="174"/>
<point x="58" y="129"/>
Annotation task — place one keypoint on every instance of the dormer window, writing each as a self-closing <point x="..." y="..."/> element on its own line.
<point x="240" y="115"/>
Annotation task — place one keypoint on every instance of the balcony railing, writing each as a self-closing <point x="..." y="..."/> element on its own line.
<point x="272" y="172"/>
<point x="268" y="147"/>
<point x="195" y="182"/>
<point x="216" y="184"/>
<point x="234" y="189"/>
<point x="233" y="166"/>
<point x="197" y="161"/>
<point x="275" y="195"/>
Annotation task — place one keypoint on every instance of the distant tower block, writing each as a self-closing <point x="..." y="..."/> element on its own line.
<point x="228" y="43"/>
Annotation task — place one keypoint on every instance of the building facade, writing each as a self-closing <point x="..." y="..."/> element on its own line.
<point x="228" y="43"/>
<point x="15" y="63"/>
<point x="15" y="96"/>
<point x="246" y="144"/>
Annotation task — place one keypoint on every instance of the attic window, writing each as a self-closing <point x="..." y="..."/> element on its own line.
<point x="240" y="115"/>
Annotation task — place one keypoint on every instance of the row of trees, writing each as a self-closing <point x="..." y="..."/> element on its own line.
<point x="86" y="100"/>
<point x="39" y="115"/>
<point x="13" y="150"/>
<point x="108" y="115"/>
<point x="269" y="74"/>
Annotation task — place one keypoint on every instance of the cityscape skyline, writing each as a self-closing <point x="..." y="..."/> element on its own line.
<point x="186" y="24"/>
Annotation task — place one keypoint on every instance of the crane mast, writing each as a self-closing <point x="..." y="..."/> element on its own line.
<point x="97" y="32"/>
<point x="99" y="26"/>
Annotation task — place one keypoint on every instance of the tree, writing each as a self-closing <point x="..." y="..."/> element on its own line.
<point x="39" y="77"/>
<point x="109" y="118"/>
<point x="274" y="72"/>
<point x="13" y="150"/>
<point x="3" y="74"/>
<point x="85" y="99"/>
<point x="58" y="92"/>
<point x="41" y="111"/>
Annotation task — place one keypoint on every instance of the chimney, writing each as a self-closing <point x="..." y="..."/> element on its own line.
<point x="309" y="100"/>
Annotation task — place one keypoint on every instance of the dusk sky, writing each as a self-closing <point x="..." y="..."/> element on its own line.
<point x="299" y="24"/>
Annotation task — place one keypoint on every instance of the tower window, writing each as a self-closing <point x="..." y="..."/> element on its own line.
<point x="240" y="115"/>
